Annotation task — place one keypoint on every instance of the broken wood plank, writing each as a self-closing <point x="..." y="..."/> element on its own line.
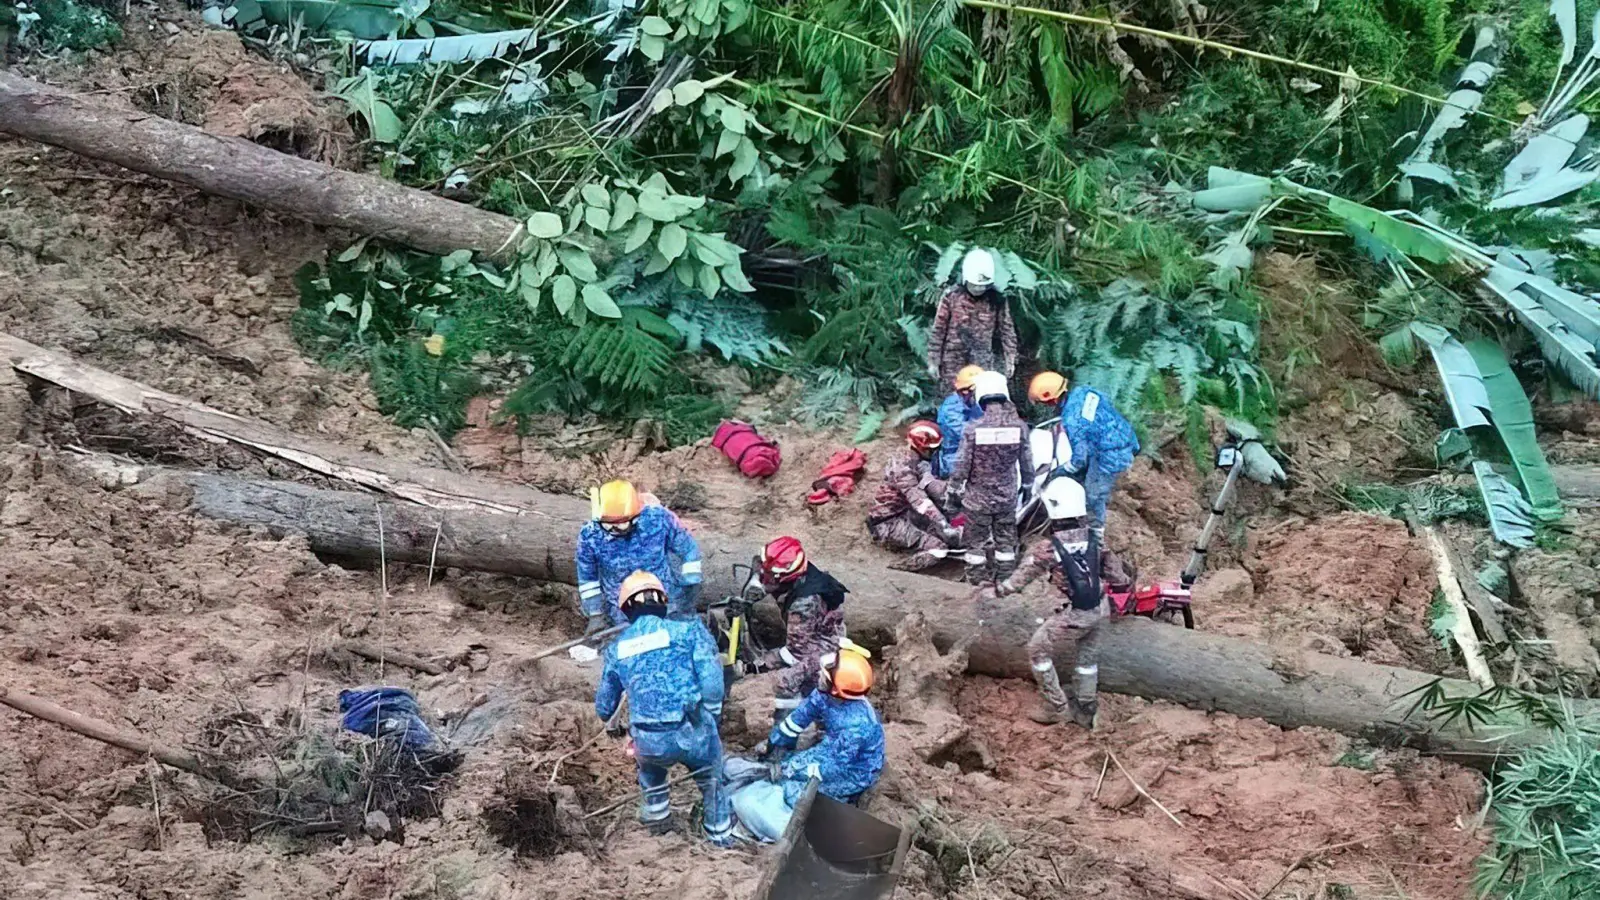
<point x="384" y="655"/>
<point x="1461" y="630"/>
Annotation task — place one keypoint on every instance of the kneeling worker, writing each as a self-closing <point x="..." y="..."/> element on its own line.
<point x="849" y="758"/>
<point x="673" y="679"/>
<point x="905" y="511"/>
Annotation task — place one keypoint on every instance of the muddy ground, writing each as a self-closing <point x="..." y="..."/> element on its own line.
<point x="120" y="605"/>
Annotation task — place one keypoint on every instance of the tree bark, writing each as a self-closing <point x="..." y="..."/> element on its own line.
<point x="245" y="171"/>
<point x="1138" y="657"/>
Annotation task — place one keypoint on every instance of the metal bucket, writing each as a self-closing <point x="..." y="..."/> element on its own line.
<point x="834" y="851"/>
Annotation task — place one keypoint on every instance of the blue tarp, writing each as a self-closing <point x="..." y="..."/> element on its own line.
<point x="385" y="712"/>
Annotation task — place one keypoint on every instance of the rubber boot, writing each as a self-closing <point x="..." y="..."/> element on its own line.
<point x="925" y="559"/>
<point x="1052" y="708"/>
<point x="978" y="570"/>
<point x="1085" y="703"/>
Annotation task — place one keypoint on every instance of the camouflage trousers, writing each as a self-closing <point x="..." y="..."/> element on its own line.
<point x="991" y="540"/>
<point x="808" y="638"/>
<point x="904" y="532"/>
<point x="1086" y="625"/>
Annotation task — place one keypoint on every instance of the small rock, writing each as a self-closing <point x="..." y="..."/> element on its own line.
<point x="377" y="825"/>
<point x="171" y="28"/>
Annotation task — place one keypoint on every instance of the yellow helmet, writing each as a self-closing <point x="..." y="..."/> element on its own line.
<point x="968" y="377"/>
<point x="1047" y="387"/>
<point x="615" y="502"/>
<point x="637" y="587"/>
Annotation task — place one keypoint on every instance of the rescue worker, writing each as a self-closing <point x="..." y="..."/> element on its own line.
<point x="669" y="670"/>
<point x="1082" y="569"/>
<point x="994" y="454"/>
<point x="905" y="511"/>
<point x="955" y="412"/>
<point x="811" y="602"/>
<point x="1103" y="442"/>
<point x="973" y="324"/>
<point x="850" y="756"/>
<point x="628" y="535"/>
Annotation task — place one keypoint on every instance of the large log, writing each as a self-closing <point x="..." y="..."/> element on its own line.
<point x="242" y="170"/>
<point x="1206" y="671"/>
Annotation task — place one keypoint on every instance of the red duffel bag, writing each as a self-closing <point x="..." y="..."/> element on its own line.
<point x="755" y="456"/>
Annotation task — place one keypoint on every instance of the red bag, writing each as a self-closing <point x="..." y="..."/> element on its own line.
<point x="754" y="455"/>
<point x="838" y="476"/>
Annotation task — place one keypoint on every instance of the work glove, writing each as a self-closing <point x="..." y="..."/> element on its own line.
<point x="1004" y="590"/>
<point x="596" y="623"/>
<point x="952" y="536"/>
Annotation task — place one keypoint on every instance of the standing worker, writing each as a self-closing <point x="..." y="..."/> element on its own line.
<point x="629" y="535"/>
<point x="1082" y="569"/>
<point x="849" y="758"/>
<point x="811" y="602"/>
<point x="1103" y="442"/>
<point x="905" y="511"/>
<point x="669" y="670"/>
<point x="955" y="412"/>
<point x="973" y="324"/>
<point x="993" y="459"/>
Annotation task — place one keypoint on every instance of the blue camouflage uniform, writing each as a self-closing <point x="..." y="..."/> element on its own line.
<point x="848" y="759"/>
<point x="604" y="560"/>
<point x="954" y="414"/>
<point x="1103" y="445"/>
<point x="673" y="678"/>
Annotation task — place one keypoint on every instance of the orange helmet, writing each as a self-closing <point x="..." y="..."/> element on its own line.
<point x="924" y="436"/>
<point x="783" y="559"/>
<point x="615" y="503"/>
<point x="1047" y="387"/>
<point x="848" y="673"/>
<point x="638" y="588"/>
<point x="967" y="377"/>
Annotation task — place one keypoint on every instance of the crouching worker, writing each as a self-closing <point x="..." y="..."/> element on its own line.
<point x="811" y="601"/>
<point x="849" y="758"/>
<point x="905" y="512"/>
<point x="669" y="670"/>
<point x="1081" y="569"/>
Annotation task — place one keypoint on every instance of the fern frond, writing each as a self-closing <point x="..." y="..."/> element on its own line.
<point x="620" y="355"/>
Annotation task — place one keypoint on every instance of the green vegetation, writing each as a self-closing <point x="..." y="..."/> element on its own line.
<point x="56" y="25"/>
<point x="1547" y="823"/>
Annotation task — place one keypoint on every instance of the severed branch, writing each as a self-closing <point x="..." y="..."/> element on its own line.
<point x="1461" y="628"/>
<point x="40" y="708"/>
<point x="382" y="654"/>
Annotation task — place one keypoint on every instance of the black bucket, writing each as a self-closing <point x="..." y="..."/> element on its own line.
<point x="834" y="851"/>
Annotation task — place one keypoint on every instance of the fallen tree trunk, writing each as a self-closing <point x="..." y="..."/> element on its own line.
<point x="468" y="516"/>
<point x="246" y="171"/>
<point x="1138" y="657"/>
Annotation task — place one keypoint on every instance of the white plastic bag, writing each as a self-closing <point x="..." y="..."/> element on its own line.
<point x="762" y="810"/>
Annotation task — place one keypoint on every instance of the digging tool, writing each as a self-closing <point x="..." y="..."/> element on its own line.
<point x="834" y="851"/>
<point x="1165" y="600"/>
<point x="562" y="648"/>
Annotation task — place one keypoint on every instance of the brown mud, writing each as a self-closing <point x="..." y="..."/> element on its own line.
<point x="118" y="604"/>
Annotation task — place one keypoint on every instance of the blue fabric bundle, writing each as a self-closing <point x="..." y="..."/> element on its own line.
<point x="386" y="712"/>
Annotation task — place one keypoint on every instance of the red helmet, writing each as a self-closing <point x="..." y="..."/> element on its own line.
<point x="783" y="560"/>
<point x="924" y="436"/>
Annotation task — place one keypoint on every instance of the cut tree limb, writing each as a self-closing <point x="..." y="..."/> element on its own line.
<point x="241" y="170"/>
<point x="384" y="655"/>
<point x="1481" y="601"/>
<point x="40" y="708"/>
<point x="1209" y="671"/>
<point x="1461" y="629"/>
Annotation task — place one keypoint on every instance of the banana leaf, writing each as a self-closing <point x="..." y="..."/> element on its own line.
<point x="1510" y="519"/>
<point x="460" y="48"/>
<point x="1547" y="152"/>
<point x="1568" y="351"/>
<point x="1458" y="372"/>
<point x="1229" y="190"/>
<point x="1546" y="187"/>
<point x="1513" y="419"/>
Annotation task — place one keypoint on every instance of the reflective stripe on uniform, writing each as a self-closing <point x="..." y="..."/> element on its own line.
<point x="656" y="806"/>
<point x="786" y="656"/>
<point x="1091" y="405"/>
<point x="1004" y="557"/>
<point x="1045" y="666"/>
<point x="1088" y="670"/>
<point x="644" y="643"/>
<point x="719" y="831"/>
<point x="692" y="567"/>
<point x="589" y="589"/>
<point x="785" y="702"/>
<point x="789" y="728"/>
<point x="974" y="559"/>
<point x="714" y="708"/>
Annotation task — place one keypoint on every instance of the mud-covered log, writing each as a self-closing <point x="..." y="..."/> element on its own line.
<point x="241" y="170"/>
<point x="1206" y="671"/>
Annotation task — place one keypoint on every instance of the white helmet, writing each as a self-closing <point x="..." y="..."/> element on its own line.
<point x="1063" y="498"/>
<point x="977" y="268"/>
<point x="991" y="385"/>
